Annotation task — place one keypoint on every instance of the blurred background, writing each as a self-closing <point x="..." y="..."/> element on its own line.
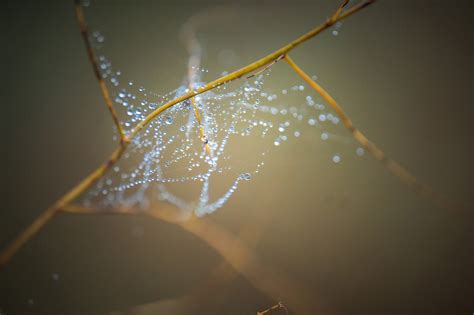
<point x="350" y="231"/>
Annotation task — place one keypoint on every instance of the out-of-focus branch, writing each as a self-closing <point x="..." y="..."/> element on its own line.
<point x="271" y="281"/>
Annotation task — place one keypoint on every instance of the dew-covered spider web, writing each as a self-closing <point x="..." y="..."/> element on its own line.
<point x="243" y="123"/>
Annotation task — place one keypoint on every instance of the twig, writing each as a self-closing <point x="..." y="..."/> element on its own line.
<point x="266" y="67"/>
<point x="93" y="60"/>
<point x="274" y="307"/>
<point x="339" y="11"/>
<point x="35" y="227"/>
<point x="49" y="213"/>
<point x="391" y="165"/>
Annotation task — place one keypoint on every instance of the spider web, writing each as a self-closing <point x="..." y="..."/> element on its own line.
<point x="242" y="121"/>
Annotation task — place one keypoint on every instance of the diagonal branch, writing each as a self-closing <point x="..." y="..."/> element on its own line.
<point x="49" y="213"/>
<point x="274" y="307"/>
<point x="336" y="15"/>
<point x="273" y="282"/>
<point x="391" y="165"/>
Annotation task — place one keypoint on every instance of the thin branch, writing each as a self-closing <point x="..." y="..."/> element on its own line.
<point x="336" y="15"/>
<point x="275" y="283"/>
<point x="48" y="214"/>
<point x="266" y="67"/>
<point x="224" y="273"/>
<point x="391" y="165"/>
<point x="274" y="307"/>
<point x="93" y="60"/>
<point x="270" y="281"/>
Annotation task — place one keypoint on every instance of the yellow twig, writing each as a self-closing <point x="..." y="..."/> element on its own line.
<point x="93" y="60"/>
<point x="339" y="11"/>
<point x="274" y="307"/>
<point x="49" y="213"/>
<point x="391" y="165"/>
<point x="34" y="228"/>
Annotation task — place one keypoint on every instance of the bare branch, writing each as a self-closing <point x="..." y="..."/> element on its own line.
<point x="93" y="60"/>
<point x="274" y="307"/>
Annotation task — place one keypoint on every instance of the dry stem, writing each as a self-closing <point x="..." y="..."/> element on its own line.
<point x="271" y="281"/>
<point x="93" y="60"/>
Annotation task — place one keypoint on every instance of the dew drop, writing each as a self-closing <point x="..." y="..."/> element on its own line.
<point x="360" y="151"/>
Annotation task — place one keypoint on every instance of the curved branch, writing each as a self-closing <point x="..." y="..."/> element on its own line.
<point x="240" y="255"/>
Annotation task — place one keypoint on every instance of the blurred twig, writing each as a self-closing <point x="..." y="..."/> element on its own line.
<point x="274" y="307"/>
<point x="271" y="281"/>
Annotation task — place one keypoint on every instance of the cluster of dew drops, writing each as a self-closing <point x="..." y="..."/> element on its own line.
<point x="170" y="150"/>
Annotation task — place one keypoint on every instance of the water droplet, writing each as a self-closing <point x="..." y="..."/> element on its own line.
<point x="360" y="151"/>
<point x="169" y="120"/>
<point x="246" y="176"/>
<point x="336" y="158"/>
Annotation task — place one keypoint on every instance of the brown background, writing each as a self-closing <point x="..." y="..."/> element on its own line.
<point x="402" y="69"/>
